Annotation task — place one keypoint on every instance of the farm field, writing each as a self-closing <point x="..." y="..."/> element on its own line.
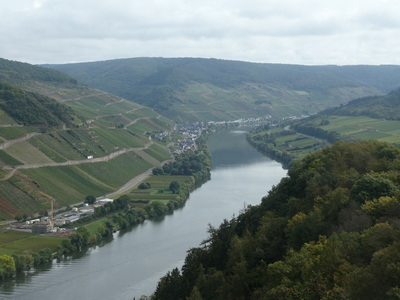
<point x="159" y="152"/>
<point x="159" y="190"/>
<point x="17" y="242"/>
<point x="19" y="201"/>
<point x="68" y="185"/>
<point x="362" y="128"/>
<point x="103" y="124"/>
<point x="298" y="144"/>
<point x="15" y="132"/>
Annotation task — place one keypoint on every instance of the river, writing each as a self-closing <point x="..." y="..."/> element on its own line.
<point x="131" y="264"/>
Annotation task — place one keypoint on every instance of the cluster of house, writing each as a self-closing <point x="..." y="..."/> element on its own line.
<point x="79" y="212"/>
<point x="47" y="225"/>
<point x="240" y="121"/>
<point x="190" y="132"/>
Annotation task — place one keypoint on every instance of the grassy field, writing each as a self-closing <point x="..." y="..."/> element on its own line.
<point x="159" y="152"/>
<point x="27" y="153"/>
<point x="16" y="242"/>
<point x="298" y="144"/>
<point x="8" y="159"/>
<point x="92" y="227"/>
<point x="117" y="171"/>
<point x="365" y="128"/>
<point x="11" y="133"/>
<point x="159" y="190"/>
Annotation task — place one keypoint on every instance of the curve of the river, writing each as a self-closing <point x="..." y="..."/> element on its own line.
<point x="131" y="265"/>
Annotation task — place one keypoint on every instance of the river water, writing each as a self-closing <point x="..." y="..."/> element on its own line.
<point x="131" y="264"/>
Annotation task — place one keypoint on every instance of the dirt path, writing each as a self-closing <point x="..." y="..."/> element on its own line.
<point x="18" y="140"/>
<point x="135" y="121"/>
<point x="78" y="162"/>
<point x="134" y="181"/>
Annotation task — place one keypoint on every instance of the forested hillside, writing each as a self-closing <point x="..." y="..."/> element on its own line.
<point x="32" y="109"/>
<point x="378" y="107"/>
<point x="197" y="89"/>
<point x="61" y="138"/>
<point x="330" y="230"/>
<point x="22" y="73"/>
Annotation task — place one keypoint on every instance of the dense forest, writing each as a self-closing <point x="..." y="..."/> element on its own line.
<point x="28" y="108"/>
<point x="329" y="230"/>
<point x="18" y="72"/>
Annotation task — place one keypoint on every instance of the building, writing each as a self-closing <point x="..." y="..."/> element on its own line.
<point x="40" y="228"/>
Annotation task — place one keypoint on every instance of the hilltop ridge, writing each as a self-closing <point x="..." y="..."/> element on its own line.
<point x="197" y="89"/>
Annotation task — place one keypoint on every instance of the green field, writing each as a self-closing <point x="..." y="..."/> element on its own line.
<point x="159" y="190"/>
<point x="11" y="133"/>
<point x="298" y="144"/>
<point x="27" y="153"/>
<point x="18" y="202"/>
<point x="71" y="184"/>
<point x="16" y="242"/>
<point x="362" y="128"/>
<point x="117" y="171"/>
<point x="68" y="185"/>
<point x="160" y="153"/>
<point x="8" y="159"/>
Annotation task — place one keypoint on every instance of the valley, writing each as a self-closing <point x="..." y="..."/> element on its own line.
<point x="138" y="140"/>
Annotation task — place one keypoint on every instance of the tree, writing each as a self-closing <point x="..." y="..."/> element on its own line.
<point x="372" y="186"/>
<point x="144" y="186"/>
<point x="90" y="199"/>
<point x="7" y="266"/>
<point x="80" y="238"/>
<point x="175" y="187"/>
<point x="158" y="171"/>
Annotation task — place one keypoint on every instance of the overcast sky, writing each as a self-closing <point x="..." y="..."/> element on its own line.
<point x="306" y="32"/>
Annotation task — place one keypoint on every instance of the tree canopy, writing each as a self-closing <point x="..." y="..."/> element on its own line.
<point x="330" y="230"/>
<point x="28" y="108"/>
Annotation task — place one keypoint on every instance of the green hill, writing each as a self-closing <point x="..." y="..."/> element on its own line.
<point x="375" y="117"/>
<point x="194" y="89"/>
<point x="377" y="107"/>
<point x="65" y="139"/>
<point x="32" y="109"/>
<point x="330" y="230"/>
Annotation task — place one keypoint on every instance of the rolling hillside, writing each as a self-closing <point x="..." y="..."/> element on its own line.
<point x="365" y="118"/>
<point x="67" y="140"/>
<point x="193" y="89"/>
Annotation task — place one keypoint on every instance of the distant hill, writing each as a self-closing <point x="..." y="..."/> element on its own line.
<point x="62" y="138"/>
<point x="211" y="89"/>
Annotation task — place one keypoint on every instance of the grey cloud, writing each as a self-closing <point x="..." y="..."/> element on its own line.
<point x="285" y="31"/>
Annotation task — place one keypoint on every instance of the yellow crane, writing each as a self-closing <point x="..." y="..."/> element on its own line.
<point x="51" y="208"/>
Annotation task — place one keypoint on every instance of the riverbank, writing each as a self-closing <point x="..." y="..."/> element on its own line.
<point x="138" y="256"/>
<point x="190" y="169"/>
